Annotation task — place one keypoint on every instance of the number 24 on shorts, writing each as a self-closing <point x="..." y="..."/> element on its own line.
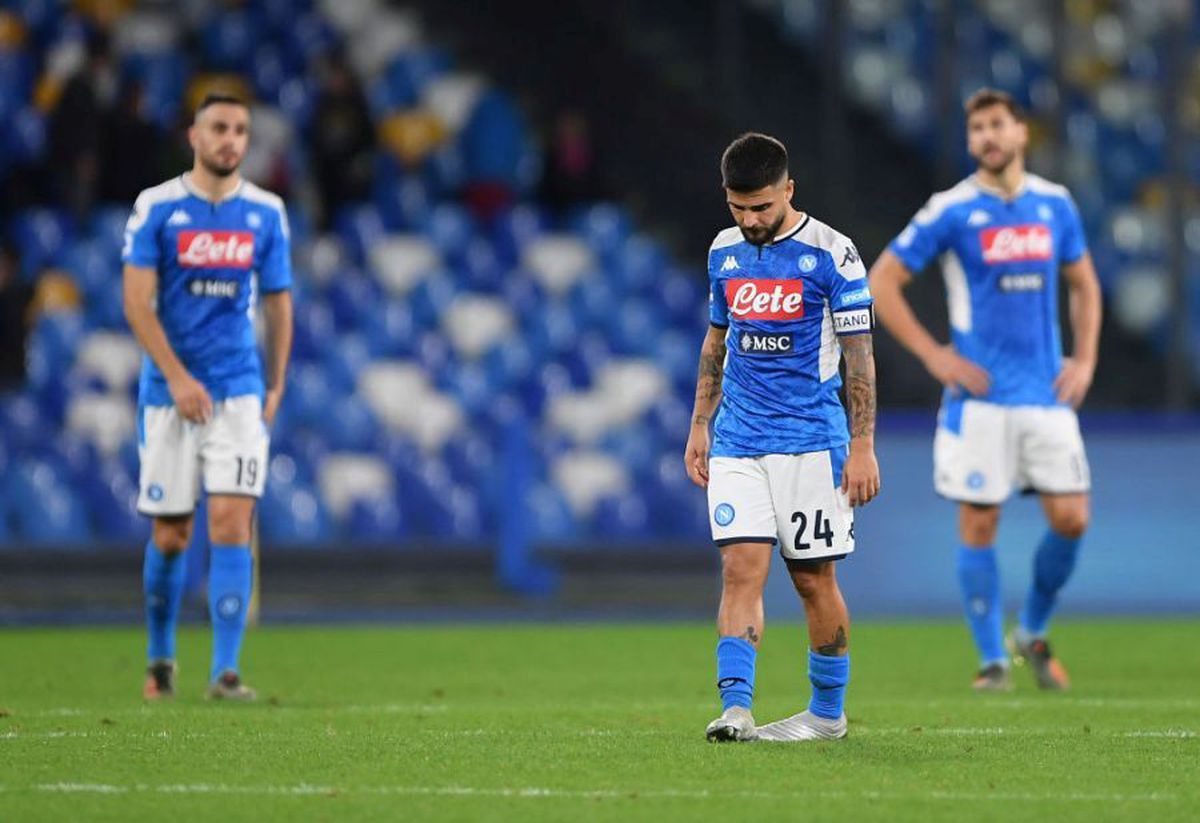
<point x="822" y="530"/>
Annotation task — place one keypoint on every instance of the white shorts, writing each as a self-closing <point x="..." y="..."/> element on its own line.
<point x="795" y="499"/>
<point x="983" y="451"/>
<point x="230" y="451"/>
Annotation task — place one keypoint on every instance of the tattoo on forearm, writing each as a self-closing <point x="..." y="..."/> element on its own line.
<point x="837" y="647"/>
<point x="860" y="383"/>
<point x="751" y="635"/>
<point x="712" y="372"/>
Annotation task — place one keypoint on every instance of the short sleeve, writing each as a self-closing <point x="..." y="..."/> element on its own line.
<point x="718" y="307"/>
<point x="276" y="271"/>
<point x="1072" y="243"/>
<point x="846" y="288"/>
<point x="924" y="238"/>
<point x="141" y="235"/>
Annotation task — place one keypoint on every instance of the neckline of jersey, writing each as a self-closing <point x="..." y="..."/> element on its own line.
<point x="792" y="233"/>
<point x="999" y="193"/>
<point x="186" y="180"/>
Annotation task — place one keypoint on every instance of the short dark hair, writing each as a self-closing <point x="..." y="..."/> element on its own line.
<point x="753" y="161"/>
<point x="987" y="97"/>
<point x="213" y="98"/>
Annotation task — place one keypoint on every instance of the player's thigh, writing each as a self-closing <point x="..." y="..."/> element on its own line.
<point x="740" y="509"/>
<point x="974" y="454"/>
<point x="1052" y="457"/>
<point x="169" y="462"/>
<point x="814" y="518"/>
<point x="234" y="448"/>
<point x="1068" y="514"/>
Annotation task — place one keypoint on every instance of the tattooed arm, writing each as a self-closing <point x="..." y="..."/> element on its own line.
<point x="708" y="397"/>
<point x="860" y="476"/>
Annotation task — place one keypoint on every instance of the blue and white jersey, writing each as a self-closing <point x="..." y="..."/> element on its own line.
<point x="212" y="260"/>
<point x="1000" y="259"/>
<point x="783" y="304"/>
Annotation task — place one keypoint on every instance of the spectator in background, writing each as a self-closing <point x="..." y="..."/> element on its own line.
<point x="131" y="148"/>
<point x="343" y="138"/>
<point x="570" y="176"/>
<point x="75" y="129"/>
<point x="15" y="297"/>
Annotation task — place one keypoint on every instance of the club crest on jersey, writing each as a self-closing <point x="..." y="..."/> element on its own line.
<point x="807" y="263"/>
<point x="1007" y="244"/>
<point x="765" y="299"/>
<point x="215" y="249"/>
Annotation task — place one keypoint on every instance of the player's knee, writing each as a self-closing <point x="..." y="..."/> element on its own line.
<point x="172" y="535"/>
<point x="1070" y="522"/>
<point x="812" y="580"/>
<point x="741" y="573"/>
<point x="978" y="525"/>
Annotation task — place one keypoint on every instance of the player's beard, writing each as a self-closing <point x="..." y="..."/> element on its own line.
<point x="762" y="236"/>
<point x="218" y="169"/>
<point x="997" y="167"/>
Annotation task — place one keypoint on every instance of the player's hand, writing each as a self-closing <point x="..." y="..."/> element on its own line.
<point x="860" y="475"/>
<point x="1074" y="380"/>
<point x="695" y="454"/>
<point x="956" y="372"/>
<point x="271" y="402"/>
<point x="191" y="398"/>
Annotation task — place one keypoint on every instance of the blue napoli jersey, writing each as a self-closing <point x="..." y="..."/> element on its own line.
<point x="784" y="303"/>
<point x="1000" y="259"/>
<point x="212" y="260"/>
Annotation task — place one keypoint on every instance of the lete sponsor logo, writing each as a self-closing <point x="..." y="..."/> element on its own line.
<point x="216" y="249"/>
<point x="765" y="299"/>
<point x="1007" y="244"/>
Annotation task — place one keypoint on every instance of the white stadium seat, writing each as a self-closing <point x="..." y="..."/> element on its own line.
<point x="345" y="477"/>
<point x="584" y="477"/>
<point x="105" y="420"/>
<point x="557" y="261"/>
<point x="401" y="261"/>
<point x="113" y="357"/>
<point x="475" y="323"/>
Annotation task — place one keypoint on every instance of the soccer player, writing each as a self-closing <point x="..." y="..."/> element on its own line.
<point x="1007" y="419"/>
<point x="776" y="465"/>
<point x="200" y="250"/>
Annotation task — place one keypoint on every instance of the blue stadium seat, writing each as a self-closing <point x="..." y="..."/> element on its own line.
<point x="604" y="226"/>
<point x="293" y="515"/>
<point x="352" y="295"/>
<point x="25" y="138"/>
<point x="480" y="269"/>
<point x="510" y="363"/>
<point x="432" y="297"/>
<point x="471" y="384"/>
<point x="684" y="298"/>
<point x="377" y="520"/>
<point x="594" y="301"/>
<point x="348" y="425"/>
<point x="550" y="519"/>
<point x="93" y="266"/>
<point x="42" y="237"/>
<point x="314" y="328"/>
<point x="622" y="517"/>
<point x="24" y="424"/>
<point x="230" y="38"/>
<point x="390" y="329"/>
<point x="635" y="445"/>
<point x="359" y="227"/>
<point x="522" y="295"/>
<point x="640" y="263"/>
<point x="451" y="228"/>
<point x="111" y="496"/>
<point x="307" y="37"/>
<point x="43" y="507"/>
<point x="635" y="328"/>
<point x="513" y="228"/>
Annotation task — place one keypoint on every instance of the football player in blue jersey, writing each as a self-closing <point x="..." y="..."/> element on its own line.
<point x="788" y="299"/>
<point x="200" y="251"/>
<point x="1007" y="422"/>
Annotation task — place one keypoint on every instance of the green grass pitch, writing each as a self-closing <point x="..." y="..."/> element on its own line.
<point x="590" y="722"/>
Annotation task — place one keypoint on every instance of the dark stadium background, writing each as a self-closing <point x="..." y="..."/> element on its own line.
<point x="500" y="214"/>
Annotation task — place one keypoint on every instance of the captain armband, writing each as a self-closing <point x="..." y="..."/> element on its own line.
<point x="854" y="321"/>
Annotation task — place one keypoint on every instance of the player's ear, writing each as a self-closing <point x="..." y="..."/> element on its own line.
<point x="191" y="134"/>
<point x="791" y="189"/>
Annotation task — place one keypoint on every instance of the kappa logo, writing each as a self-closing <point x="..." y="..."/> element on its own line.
<point x="730" y="263"/>
<point x="851" y="256"/>
<point x="979" y="217"/>
<point x="179" y="217"/>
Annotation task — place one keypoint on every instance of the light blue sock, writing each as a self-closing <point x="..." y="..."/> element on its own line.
<point x="228" y="599"/>
<point x="735" y="672"/>
<point x="979" y="579"/>
<point x="162" y="583"/>
<point x="829" y="676"/>
<point x="1052" y="566"/>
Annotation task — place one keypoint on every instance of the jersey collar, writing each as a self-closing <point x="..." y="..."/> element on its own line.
<point x="792" y="231"/>
<point x="995" y="192"/>
<point x="186" y="179"/>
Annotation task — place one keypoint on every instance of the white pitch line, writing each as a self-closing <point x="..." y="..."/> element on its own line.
<point x="1181" y="734"/>
<point x="538" y="792"/>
